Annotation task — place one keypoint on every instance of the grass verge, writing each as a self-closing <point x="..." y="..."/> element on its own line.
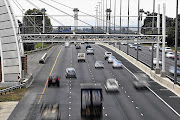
<point x="13" y="95"/>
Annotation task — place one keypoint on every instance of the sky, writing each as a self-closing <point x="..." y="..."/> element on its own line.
<point x="88" y="6"/>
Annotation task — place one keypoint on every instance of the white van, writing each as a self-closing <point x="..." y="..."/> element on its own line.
<point x="81" y="57"/>
<point x="66" y="44"/>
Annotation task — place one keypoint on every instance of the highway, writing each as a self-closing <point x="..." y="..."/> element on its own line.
<point x="144" y="56"/>
<point x="129" y="104"/>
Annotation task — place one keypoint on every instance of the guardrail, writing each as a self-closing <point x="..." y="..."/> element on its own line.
<point x="43" y="59"/>
<point x="12" y="88"/>
<point x="23" y="84"/>
<point x="38" y="49"/>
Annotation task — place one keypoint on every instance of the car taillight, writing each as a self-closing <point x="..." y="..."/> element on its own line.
<point x="48" y="78"/>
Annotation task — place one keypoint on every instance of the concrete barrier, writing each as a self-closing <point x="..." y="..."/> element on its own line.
<point x="164" y="81"/>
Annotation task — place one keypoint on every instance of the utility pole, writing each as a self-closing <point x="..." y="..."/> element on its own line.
<point x="43" y="10"/>
<point x="163" y="72"/>
<point x="114" y="16"/>
<point x="176" y="44"/>
<point x="120" y="13"/>
<point x="157" y="70"/>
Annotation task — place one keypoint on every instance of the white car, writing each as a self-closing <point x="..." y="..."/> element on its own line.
<point x="107" y="54"/>
<point x="169" y="54"/>
<point x="99" y="64"/>
<point x="132" y="46"/>
<point x="141" y="80"/>
<point x="90" y="51"/>
<point x="117" y="64"/>
<point x="168" y="49"/>
<point x="112" y="85"/>
<point x="155" y="61"/>
<point x="111" y="59"/>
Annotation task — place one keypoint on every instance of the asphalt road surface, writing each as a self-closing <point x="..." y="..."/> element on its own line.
<point x="145" y="55"/>
<point x="128" y="104"/>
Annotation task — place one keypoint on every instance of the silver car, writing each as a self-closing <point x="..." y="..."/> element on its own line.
<point x="90" y="51"/>
<point x="99" y="64"/>
<point x="112" y="85"/>
<point x="111" y="59"/>
<point x="70" y="73"/>
<point x="117" y="64"/>
<point x="141" y="81"/>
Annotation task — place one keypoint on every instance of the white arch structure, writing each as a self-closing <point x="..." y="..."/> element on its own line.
<point x="11" y="47"/>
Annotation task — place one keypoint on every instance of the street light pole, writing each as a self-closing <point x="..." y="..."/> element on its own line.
<point x="163" y="72"/>
<point x="43" y="11"/>
<point x="157" y="70"/>
<point x="176" y="44"/>
<point x="114" y="15"/>
<point x="120" y="13"/>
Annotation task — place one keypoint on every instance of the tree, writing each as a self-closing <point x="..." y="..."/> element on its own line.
<point x="30" y="21"/>
<point x="170" y="27"/>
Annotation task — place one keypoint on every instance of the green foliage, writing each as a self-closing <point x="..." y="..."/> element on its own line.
<point x="28" y="22"/>
<point x="170" y="28"/>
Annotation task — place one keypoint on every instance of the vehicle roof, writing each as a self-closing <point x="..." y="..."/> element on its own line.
<point x="99" y="61"/>
<point x="91" y="86"/>
<point x="70" y="69"/>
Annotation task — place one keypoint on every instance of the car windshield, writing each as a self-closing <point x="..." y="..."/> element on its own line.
<point x="71" y="71"/>
<point x="112" y="82"/>
<point x="112" y="57"/>
<point x="118" y="62"/>
<point x="99" y="62"/>
<point x="81" y="55"/>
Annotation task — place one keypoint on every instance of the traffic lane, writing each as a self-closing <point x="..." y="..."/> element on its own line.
<point x="31" y="97"/>
<point x="150" y="104"/>
<point x="113" y="103"/>
<point x="145" y="57"/>
<point x="116" y="113"/>
<point x="49" y="92"/>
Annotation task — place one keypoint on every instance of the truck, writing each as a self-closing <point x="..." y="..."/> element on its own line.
<point x="91" y="100"/>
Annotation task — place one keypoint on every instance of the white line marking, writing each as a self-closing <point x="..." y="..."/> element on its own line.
<point x="132" y="101"/>
<point x="69" y="115"/>
<point x="69" y="96"/>
<point x="164" y="89"/>
<point x="70" y="92"/>
<point x="103" y="107"/>
<point x="70" y="102"/>
<point x="105" y="115"/>
<point x="141" y="114"/>
<point x="92" y="78"/>
<point x="137" y="108"/>
<point x="69" y="108"/>
<point x="128" y="96"/>
<point x="174" y="97"/>
<point x="124" y="91"/>
<point x="157" y="96"/>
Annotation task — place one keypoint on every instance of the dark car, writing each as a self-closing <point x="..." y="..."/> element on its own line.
<point x="78" y="47"/>
<point x="88" y="46"/>
<point x="70" y="73"/>
<point x="53" y="80"/>
<point x="50" y="111"/>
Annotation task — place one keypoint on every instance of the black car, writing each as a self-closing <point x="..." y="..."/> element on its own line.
<point x="70" y="73"/>
<point x="53" y="80"/>
<point x="78" y="47"/>
<point x="88" y="46"/>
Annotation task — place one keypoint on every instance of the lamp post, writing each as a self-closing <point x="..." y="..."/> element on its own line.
<point x="108" y="18"/>
<point x="176" y="44"/>
<point x="43" y="10"/>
